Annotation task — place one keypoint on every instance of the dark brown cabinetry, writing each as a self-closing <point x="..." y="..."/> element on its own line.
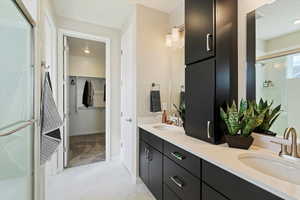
<point x="200" y="97"/>
<point x="169" y="194"/>
<point x="238" y="188"/>
<point x="150" y="166"/>
<point x="211" y="57"/>
<point x="200" y="30"/>
<point x="210" y="194"/>
<point x="175" y="174"/>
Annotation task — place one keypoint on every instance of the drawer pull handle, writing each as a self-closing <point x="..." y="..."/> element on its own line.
<point x="177" y="156"/>
<point x="208" y="42"/>
<point x="177" y="182"/>
<point x="208" y="129"/>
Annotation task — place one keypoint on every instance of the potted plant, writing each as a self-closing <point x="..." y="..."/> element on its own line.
<point x="271" y="116"/>
<point x="181" y="112"/>
<point x="240" y="124"/>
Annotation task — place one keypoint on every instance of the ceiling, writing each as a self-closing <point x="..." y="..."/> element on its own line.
<point x="77" y="47"/>
<point x="110" y="13"/>
<point x="277" y="19"/>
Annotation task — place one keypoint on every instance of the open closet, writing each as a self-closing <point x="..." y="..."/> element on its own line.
<point x="86" y="102"/>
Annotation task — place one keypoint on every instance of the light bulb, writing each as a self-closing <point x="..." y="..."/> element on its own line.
<point x="169" y="40"/>
<point x="175" y="34"/>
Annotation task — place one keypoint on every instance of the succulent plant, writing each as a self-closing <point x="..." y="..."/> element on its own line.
<point x="271" y="114"/>
<point x="242" y="121"/>
<point x="181" y="111"/>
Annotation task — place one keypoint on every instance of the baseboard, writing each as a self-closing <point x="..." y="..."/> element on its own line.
<point x="88" y="133"/>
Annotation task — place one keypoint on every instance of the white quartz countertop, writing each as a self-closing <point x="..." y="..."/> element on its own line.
<point x="228" y="159"/>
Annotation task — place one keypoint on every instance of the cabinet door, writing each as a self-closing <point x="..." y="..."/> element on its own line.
<point x="210" y="194"/>
<point x="144" y="164"/>
<point x="169" y="194"/>
<point x="199" y="25"/>
<point x="200" y="100"/>
<point x="156" y="173"/>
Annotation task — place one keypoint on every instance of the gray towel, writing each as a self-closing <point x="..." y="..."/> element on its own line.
<point x="155" y="104"/>
<point x="51" y="122"/>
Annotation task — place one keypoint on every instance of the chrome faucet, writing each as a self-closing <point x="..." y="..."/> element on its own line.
<point x="285" y="142"/>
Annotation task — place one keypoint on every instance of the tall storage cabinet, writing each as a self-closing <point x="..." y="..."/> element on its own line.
<point x="211" y="60"/>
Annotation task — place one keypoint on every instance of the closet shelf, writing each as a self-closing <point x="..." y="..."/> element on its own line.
<point x="91" y="108"/>
<point x="93" y="77"/>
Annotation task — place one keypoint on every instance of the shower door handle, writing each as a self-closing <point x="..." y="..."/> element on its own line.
<point x="23" y="125"/>
<point x="129" y="120"/>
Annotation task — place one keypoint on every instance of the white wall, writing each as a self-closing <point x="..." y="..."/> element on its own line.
<point x="114" y="36"/>
<point x="152" y="56"/>
<point x="285" y="42"/>
<point x="85" y="121"/>
<point x="87" y="66"/>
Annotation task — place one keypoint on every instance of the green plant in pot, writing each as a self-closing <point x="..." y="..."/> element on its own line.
<point x="271" y="115"/>
<point x="240" y="124"/>
<point x="181" y="112"/>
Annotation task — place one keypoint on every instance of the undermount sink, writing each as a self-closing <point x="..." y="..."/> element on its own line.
<point x="273" y="166"/>
<point x="165" y="127"/>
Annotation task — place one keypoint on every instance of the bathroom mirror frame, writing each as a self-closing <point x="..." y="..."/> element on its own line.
<point x="251" y="56"/>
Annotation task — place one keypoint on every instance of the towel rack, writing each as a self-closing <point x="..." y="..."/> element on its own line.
<point x="153" y="85"/>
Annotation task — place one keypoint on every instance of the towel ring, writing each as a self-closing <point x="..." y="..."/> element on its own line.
<point x="155" y="85"/>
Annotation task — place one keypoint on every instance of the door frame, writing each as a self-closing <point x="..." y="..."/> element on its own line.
<point x="61" y="70"/>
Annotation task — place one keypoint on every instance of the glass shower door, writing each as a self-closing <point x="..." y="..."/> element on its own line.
<point x="16" y="104"/>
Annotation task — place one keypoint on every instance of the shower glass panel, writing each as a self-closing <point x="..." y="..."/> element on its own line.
<point x="16" y="107"/>
<point x="278" y="80"/>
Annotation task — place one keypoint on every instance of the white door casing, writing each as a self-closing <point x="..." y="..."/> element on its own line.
<point x="66" y="102"/>
<point x="127" y="103"/>
<point x="62" y="76"/>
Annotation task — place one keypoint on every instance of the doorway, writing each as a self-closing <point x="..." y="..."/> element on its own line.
<point x="85" y="100"/>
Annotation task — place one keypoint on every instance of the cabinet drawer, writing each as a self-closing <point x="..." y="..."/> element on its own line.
<point x="210" y="194"/>
<point x="169" y="194"/>
<point x="184" y="184"/>
<point x="183" y="158"/>
<point x="232" y="186"/>
<point x="152" y="140"/>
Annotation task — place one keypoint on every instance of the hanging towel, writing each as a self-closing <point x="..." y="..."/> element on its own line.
<point x="182" y="98"/>
<point x="88" y="94"/>
<point x="50" y="122"/>
<point x="155" y="104"/>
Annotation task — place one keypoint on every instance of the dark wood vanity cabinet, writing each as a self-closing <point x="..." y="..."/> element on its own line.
<point x="199" y="29"/>
<point x="211" y="65"/>
<point x="200" y="100"/>
<point x="231" y="186"/>
<point x="171" y="173"/>
<point x="150" y="167"/>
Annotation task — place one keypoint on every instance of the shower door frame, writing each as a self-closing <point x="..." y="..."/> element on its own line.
<point x="30" y="11"/>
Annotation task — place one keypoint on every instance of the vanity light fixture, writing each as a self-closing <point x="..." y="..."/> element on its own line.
<point x="297" y="21"/>
<point x="87" y="50"/>
<point x="174" y="39"/>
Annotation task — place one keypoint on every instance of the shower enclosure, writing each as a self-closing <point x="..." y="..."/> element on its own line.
<point x="16" y="107"/>
<point x="278" y="79"/>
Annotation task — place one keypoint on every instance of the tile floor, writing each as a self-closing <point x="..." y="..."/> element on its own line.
<point x="86" y="149"/>
<point x="98" y="181"/>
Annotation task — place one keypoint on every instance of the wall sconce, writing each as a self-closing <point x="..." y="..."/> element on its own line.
<point x="175" y="38"/>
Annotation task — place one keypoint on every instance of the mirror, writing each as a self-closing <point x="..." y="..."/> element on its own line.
<point x="177" y="70"/>
<point x="273" y="59"/>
